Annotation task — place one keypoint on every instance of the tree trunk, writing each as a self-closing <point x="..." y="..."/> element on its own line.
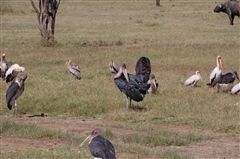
<point x="157" y="2"/>
<point x="46" y="15"/>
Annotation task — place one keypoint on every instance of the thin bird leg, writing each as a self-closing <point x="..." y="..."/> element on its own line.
<point x="130" y="102"/>
<point x="127" y="103"/>
<point x="15" y="109"/>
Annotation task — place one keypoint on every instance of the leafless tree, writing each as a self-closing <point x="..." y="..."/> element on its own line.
<point x="46" y="15"/>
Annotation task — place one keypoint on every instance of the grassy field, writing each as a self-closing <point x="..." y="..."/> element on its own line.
<point x="179" y="37"/>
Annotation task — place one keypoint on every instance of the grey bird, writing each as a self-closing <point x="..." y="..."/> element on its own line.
<point x="14" y="91"/>
<point x="98" y="146"/>
<point x="73" y="68"/>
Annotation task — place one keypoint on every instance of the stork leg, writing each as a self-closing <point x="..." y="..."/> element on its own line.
<point x="130" y="103"/>
<point x="15" y="109"/>
<point x="127" y="103"/>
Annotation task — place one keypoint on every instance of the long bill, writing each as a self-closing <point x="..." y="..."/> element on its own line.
<point x="88" y="138"/>
<point x="220" y="64"/>
<point x="125" y="74"/>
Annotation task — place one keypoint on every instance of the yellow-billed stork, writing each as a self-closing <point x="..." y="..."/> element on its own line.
<point x="13" y="71"/>
<point x="73" y="68"/>
<point x="192" y="81"/>
<point x="216" y="73"/>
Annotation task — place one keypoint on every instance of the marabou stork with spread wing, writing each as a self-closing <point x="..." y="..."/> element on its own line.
<point x="99" y="147"/>
<point x="12" y="72"/>
<point x="14" y="91"/>
<point x="236" y="89"/>
<point x="216" y="73"/>
<point x="112" y="67"/>
<point x="131" y="85"/>
<point x="192" y="81"/>
<point x="73" y="68"/>
<point x="3" y="66"/>
<point x="228" y="78"/>
<point x="143" y="70"/>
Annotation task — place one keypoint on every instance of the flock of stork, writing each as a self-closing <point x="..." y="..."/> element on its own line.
<point x="135" y="87"/>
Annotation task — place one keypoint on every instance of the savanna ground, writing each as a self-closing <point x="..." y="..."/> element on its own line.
<point x="179" y="37"/>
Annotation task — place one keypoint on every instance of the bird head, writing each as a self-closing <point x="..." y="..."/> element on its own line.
<point x="93" y="134"/>
<point x="122" y="69"/>
<point x="199" y="75"/>
<point x="3" y="57"/>
<point x="236" y="74"/>
<point x="67" y="62"/>
<point x="152" y="80"/>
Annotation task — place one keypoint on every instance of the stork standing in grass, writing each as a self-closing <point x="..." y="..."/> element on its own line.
<point x="14" y="91"/>
<point x="73" y="68"/>
<point x="131" y="85"/>
<point x="152" y="84"/>
<point x="12" y="72"/>
<point x="99" y="147"/>
<point x="216" y="73"/>
<point x="3" y="66"/>
<point x="192" y="81"/>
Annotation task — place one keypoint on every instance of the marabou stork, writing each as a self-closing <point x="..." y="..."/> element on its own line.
<point x="131" y="85"/>
<point x="12" y="72"/>
<point x="99" y="147"/>
<point x="112" y="67"/>
<point x="14" y="91"/>
<point x="192" y="81"/>
<point x="228" y="78"/>
<point x="152" y="84"/>
<point x="236" y="89"/>
<point x="216" y="73"/>
<point x="73" y="68"/>
<point x="3" y="66"/>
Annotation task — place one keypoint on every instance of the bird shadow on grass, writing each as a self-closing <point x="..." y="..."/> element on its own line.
<point x="138" y="108"/>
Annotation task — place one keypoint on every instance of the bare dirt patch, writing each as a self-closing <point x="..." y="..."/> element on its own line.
<point x="223" y="146"/>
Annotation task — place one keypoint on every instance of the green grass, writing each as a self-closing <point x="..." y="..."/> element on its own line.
<point x="179" y="37"/>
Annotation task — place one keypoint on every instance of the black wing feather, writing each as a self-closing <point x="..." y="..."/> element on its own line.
<point x="11" y="91"/>
<point x="143" y="68"/>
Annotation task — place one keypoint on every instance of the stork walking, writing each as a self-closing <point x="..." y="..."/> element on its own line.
<point x="131" y="85"/>
<point x="228" y="78"/>
<point x="192" y="81"/>
<point x="14" y="91"/>
<point x="73" y="68"/>
<point x="3" y="66"/>
<point x="236" y="89"/>
<point x="216" y="73"/>
<point x="12" y="72"/>
<point x="99" y="147"/>
<point x="112" y="67"/>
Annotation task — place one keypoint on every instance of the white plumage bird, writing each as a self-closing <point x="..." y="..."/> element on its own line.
<point x="13" y="71"/>
<point x="3" y="66"/>
<point x="236" y="89"/>
<point x="216" y="73"/>
<point x="192" y="81"/>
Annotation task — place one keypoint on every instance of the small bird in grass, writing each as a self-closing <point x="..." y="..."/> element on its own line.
<point x="113" y="67"/>
<point x="192" y="81"/>
<point x="99" y="147"/>
<point x="73" y="68"/>
<point x="3" y="66"/>
<point x="12" y="72"/>
<point x="14" y="91"/>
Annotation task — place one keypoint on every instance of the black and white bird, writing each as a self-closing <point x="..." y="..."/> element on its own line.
<point x="73" y="68"/>
<point x="152" y="84"/>
<point x="228" y="78"/>
<point x="12" y="72"/>
<point x="112" y="67"/>
<point x="99" y="147"/>
<point x="14" y="91"/>
<point x="3" y="66"/>
<point x="131" y="85"/>
<point x="236" y="89"/>
<point x="192" y="81"/>
<point x="216" y="73"/>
